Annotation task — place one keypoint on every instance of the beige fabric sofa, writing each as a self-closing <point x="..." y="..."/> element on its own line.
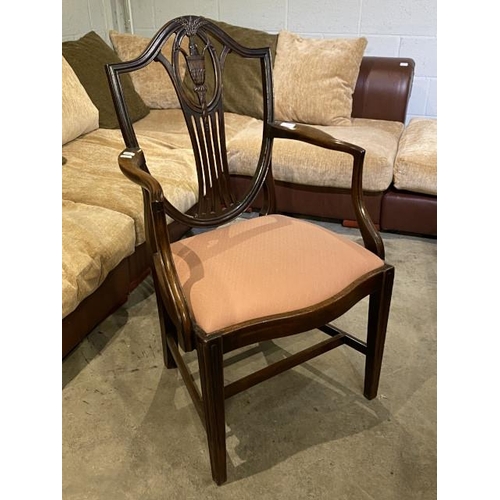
<point x="104" y="254"/>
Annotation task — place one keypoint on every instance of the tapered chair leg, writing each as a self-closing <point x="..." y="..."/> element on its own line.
<point x="212" y="387"/>
<point x="378" y="316"/>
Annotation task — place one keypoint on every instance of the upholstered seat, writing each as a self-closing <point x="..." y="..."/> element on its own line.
<point x="265" y="266"/>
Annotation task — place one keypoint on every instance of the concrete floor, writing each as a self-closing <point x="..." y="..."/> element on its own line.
<point x="130" y="430"/>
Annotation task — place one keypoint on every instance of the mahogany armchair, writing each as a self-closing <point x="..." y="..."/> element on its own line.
<point x="258" y="279"/>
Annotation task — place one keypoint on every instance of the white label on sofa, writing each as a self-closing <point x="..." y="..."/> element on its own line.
<point x="403" y="64"/>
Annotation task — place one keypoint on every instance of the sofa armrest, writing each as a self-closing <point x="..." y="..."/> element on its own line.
<point x="383" y="88"/>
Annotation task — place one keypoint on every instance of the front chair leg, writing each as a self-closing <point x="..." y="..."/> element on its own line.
<point x="378" y="316"/>
<point x="212" y="387"/>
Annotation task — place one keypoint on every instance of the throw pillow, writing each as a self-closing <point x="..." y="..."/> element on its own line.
<point x="152" y="83"/>
<point x="88" y="56"/>
<point x="314" y="79"/>
<point x="79" y="115"/>
<point x="242" y="77"/>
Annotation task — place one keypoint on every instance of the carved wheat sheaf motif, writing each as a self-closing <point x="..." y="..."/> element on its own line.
<point x="195" y="60"/>
<point x="192" y="24"/>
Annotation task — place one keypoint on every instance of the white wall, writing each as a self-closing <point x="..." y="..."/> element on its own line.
<point x="405" y="28"/>
<point x="81" y="16"/>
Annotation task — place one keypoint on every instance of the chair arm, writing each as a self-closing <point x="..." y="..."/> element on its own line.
<point x="312" y="135"/>
<point x="295" y="131"/>
<point x="132" y="163"/>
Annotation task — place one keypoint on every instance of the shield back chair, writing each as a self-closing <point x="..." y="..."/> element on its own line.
<point x="261" y="278"/>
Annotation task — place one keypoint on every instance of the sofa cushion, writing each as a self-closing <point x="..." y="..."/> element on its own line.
<point x="310" y="165"/>
<point x="152" y="83"/>
<point x="94" y="241"/>
<point x="79" y="115"/>
<point x="415" y="168"/>
<point x="88" y="56"/>
<point x="91" y="174"/>
<point x="242" y="77"/>
<point x="169" y="126"/>
<point x="314" y="79"/>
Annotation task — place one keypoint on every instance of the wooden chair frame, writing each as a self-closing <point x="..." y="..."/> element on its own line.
<point x="217" y="205"/>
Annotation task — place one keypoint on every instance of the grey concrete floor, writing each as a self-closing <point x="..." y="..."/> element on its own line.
<point x="130" y="430"/>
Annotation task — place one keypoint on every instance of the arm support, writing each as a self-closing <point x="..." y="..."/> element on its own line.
<point x="133" y="165"/>
<point x="311" y="135"/>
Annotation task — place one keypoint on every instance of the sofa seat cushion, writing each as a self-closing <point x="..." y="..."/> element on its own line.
<point x="415" y="168"/>
<point x="238" y="261"/>
<point x="94" y="241"/>
<point x="299" y="163"/>
<point x="91" y="175"/>
<point x="169" y="126"/>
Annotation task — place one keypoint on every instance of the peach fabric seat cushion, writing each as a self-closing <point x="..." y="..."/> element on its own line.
<point x="264" y="266"/>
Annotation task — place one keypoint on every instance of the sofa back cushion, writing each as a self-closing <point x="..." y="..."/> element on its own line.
<point x="314" y="79"/>
<point x="79" y="115"/>
<point x="88" y="56"/>
<point x="242" y="77"/>
<point x="152" y="83"/>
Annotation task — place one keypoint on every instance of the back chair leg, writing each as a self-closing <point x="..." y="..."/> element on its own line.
<point x="210" y="358"/>
<point x="378" y="316"/>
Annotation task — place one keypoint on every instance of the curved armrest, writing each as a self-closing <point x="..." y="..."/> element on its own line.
<point x="311" y="135"/>
<point x="132" y="163"/>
